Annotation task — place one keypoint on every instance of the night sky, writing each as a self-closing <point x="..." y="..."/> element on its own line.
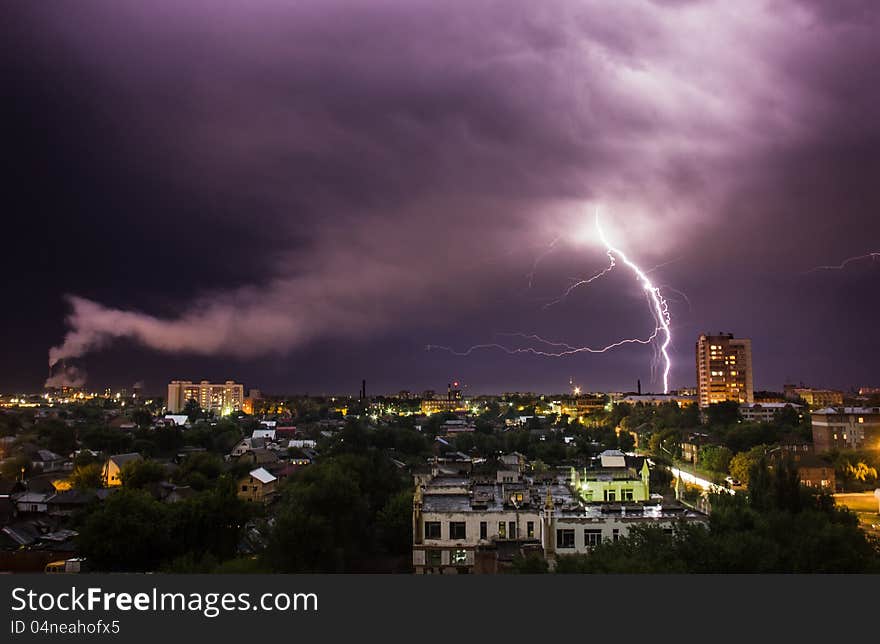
<point x="298" y="195"/>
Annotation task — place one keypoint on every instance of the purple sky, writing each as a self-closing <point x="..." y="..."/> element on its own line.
<point x="301" y="195"/>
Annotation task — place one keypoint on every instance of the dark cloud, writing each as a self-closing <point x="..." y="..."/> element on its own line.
<point x="251" y="181"/>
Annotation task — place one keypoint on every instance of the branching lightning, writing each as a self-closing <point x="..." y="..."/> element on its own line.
<point x="555" y="349"/>
<point x="874" y="256"/>
<point x="583" y="282"/>
<point x="660" y="308"/>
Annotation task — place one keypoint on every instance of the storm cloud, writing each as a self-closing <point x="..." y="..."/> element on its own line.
<point x="401" y="166"/>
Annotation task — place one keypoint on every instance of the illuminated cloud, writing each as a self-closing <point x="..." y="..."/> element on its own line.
<point x="405" y="149"/>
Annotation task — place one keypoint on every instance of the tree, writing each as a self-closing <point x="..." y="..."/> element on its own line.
<point x="142" y="418"/>
<point x="12" y="467"/>
<point x="723" y="414"/>
<point x="138" y="474"/>
<point x="87" y="477"/>
<point x="192" y="410"/>
<point x="130" y="531"/>
<point x="742" y="464"/>
<point x="530" y="564"/>
<point x="57" y="436"/>
<point x="211" y="522"/>
<point x="715" y="458"/>
<point x="394" y="524"/>
<point x="330" y="513"/>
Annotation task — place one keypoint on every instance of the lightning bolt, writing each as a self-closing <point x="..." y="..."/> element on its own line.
<point x="555" y="349"/>
<point x="531" y="274"/>
<point x="850" y="260"/>
<point x="660" y="308"/>
<point x="583" y="282"/>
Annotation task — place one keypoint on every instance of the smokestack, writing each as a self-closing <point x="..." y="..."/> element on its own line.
<point x="363" y="389"/>
<point x="639" y="385"/>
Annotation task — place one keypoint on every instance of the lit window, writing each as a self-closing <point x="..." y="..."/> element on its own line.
<point x="459" y="557"/>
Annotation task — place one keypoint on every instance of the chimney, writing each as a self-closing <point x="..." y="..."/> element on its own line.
<point x="639" y="386"/>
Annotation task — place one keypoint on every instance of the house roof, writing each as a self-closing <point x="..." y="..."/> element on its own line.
<point x="72" y="497"/>
<point x="612" y="458"/>
<point x="262" y="475"/>
<point x="263" y="455"/>
<point x="31" y="497"/>
<point x="122" y="459"/>
<point x="47" y="455"/>
<point x="23" y="534"/>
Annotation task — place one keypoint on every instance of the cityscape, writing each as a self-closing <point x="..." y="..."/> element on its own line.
<point x="219" y="478"/>
<point x="441" y="288"/>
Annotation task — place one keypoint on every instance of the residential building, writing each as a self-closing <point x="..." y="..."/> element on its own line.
<point x="655" y="400"/>
<point x="724" y="369"/>
<point x="468" y="524"/>
<point x="815" y="398"/>
<point x="46" y="461"/>
<point x="764" y="412"/>
<point x="846" y="428"/>
<point x="258" y="486"/>
<point x="222" y="398"/>
<point x="112" y="471"/>
<point x="578" y="406"/>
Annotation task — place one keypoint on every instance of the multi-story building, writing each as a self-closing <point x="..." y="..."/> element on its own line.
<point x="815" y="398"/>
<point x="846" y="428"/>
<point x="224" y="398"/>
<point x="724" y="369"/>
<point x="655" y="400"/>
<point x="462" y="524"/>
<point x="578" y="406"/>
<point x="764" y="412"/>
<point x="453" y="402"/>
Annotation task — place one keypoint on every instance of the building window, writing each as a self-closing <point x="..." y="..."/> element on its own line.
<point x="511" y="530"/>
<point x="502" y="530"/>
<point x="530" y="529"/>
<point x="626" y="495"/>
<point x="565" y="538"/>
<point x="615" y="535"/>
<point x="432" y="529"/>
<point x="484" y="530"/>
<point x="459" y="557"/>
<point x="457" y="530"/>
<point x="244" y="488"/>
<point x="592" y="538"/>
<point x="434" y="557"/>
<point x="610" y="495"/>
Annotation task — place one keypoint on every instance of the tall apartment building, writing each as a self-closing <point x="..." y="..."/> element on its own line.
<point x="222" y="398"/>
<point x="724" y="369"/>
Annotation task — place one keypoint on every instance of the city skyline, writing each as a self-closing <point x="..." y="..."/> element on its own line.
<point x="193" y="198"/>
